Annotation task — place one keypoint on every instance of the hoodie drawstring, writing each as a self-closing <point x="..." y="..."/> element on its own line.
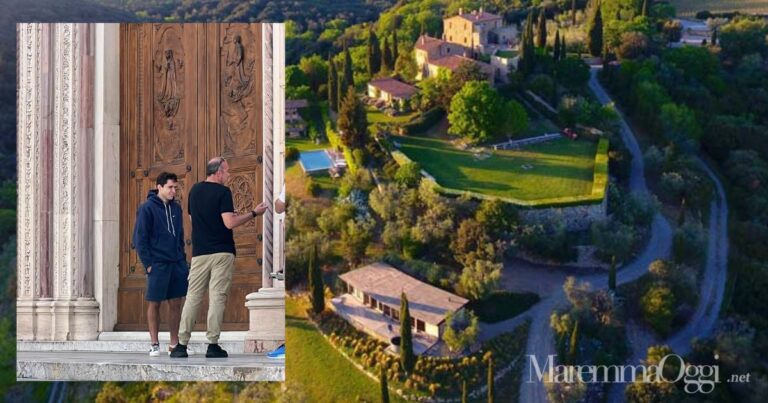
<point x="168" y="220"/>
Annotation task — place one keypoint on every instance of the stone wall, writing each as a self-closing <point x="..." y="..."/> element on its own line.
<point x="576" y="218"/>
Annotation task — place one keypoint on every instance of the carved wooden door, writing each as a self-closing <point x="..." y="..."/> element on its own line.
<point x="189" y="92"/>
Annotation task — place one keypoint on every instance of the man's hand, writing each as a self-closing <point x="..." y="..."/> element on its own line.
<point x="261" y="208"/>
<point x="279" y="206"/>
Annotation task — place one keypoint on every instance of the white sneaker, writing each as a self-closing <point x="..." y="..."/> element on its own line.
<point x="189" y="350"/>
<point x="154" y="351"/>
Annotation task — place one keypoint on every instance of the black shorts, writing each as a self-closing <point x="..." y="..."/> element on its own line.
<point x="167" y="280"/>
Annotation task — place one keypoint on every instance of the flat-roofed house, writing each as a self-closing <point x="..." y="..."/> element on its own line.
<point x="378" y="287"/>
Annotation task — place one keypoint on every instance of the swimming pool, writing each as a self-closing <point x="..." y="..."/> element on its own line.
<point x="315" y="161"/>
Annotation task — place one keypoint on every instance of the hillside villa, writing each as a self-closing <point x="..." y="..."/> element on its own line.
<point x="372" y="304"/>
<point x="467" y="36"/>
<point x="391" y="91"/>
<point x="294" y="124"/>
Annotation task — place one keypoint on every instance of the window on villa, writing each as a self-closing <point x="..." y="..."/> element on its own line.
<point x="387" y="311"/>
<point x="366" y="299"/>
<point x="420" y="326"/>
<point x="374" y="303"/>
<point x="395" y="314"/>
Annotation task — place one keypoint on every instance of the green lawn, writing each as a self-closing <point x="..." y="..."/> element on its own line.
<point x="323" y="373"/>
<point x="304" y="144"/>
<point x="507" y="54"/>
<point x="376" y="116"/>
<point x="559" y="168"/>
<point x="688" y="8"/>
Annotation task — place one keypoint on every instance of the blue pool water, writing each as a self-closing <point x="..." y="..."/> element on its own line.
<point x="313" y="161"/>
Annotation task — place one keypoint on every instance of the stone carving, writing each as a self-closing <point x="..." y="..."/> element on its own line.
<point x="238" y="80"/>
<point x="168" y="63"/>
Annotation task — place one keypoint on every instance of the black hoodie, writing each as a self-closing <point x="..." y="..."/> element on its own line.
<point x="159" y="232"/>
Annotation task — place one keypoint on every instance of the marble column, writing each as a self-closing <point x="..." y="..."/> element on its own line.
<point x="266" y="329"/>
<point x="56" y="298"/>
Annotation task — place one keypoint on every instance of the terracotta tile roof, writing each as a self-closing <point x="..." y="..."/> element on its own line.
<point x="428" y="43"/>
<point x="452" y="62"/>
<point x="479" y="16"/>
<point x="385" y="283"/>
<point x="396" y="88"/>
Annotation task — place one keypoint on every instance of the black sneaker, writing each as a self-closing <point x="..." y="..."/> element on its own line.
<point x="180" y="351"/>
<point x="215" y="351"/>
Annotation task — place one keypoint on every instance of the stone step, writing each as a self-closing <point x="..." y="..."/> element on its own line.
<point x="137" y="342"/>
<point x="126" y="366"/>
<point x="199" y="347"/>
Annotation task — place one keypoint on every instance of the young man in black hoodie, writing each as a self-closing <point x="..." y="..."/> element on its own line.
<point x="159" y="240"/>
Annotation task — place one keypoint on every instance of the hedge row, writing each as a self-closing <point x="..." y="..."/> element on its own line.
<point x="335" y="141"/>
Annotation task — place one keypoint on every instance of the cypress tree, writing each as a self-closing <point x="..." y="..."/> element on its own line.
<point x="490" y="379"/>
<point x="541" y="30"/>
<point x="714" y="37"/>
<point x="573" y="12"/>
<point x="386" y="59"/>
<point x="681" y="216"/>
<point x="316" y="283"/>
<point x="395" y="53"/>
<point x="644" y="10"/>
<point x="595" y="32"/>
<point x="574" y="351"/>
<point x="349" y="80"/>
<point x="384" y="387"/>
<point x="352" y="123"/>
<point x="374" y="54"/>
<point x="612" y="275"/>
<point x="407" y="358"/>
<point x="563" y="49"/>
<point x="333" y="85"/>
<point x="526" y="62"/>
<point x="561" y="349"/>
<point x="556" y="48"/>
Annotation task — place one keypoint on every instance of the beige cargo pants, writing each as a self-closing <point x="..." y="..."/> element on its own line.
<point x="213" y="271"/>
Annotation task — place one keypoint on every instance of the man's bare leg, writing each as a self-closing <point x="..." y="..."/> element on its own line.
<point x="153" y="319"/>
<point x="174" y="317"/>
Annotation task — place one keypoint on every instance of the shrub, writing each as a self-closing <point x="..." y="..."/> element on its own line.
<point x="658" y="305"/>
<point x="313" y="187"/>
<point x="425" y="121"/>
<point x="292" y="154"/>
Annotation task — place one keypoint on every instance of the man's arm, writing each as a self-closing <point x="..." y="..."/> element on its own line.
<point x="141" y="235"/>
<point x="231" y="220"/>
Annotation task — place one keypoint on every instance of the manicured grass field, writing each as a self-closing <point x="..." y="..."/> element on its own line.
<point x="304" y="144"/>
<point x="558" y="168"/>
<point x="323" y="373"/>
<point x="688" y="8"/>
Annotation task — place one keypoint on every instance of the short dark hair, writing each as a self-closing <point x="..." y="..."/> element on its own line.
<point x="164" y="177"/>
<point x="213" y="166"/>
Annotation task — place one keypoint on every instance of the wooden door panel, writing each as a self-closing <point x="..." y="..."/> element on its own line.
<point x="190" y="92"/>
<point x="238" y="138"/>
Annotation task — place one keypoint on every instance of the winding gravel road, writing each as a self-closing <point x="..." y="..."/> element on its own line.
<point x="540" y="339"/>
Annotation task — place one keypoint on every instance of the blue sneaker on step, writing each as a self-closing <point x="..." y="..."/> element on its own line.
<point x="278" y="353"/>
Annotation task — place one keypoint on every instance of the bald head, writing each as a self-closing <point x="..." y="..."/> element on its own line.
<point x="217" y="170"/>
<point x="213" y="166"/>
